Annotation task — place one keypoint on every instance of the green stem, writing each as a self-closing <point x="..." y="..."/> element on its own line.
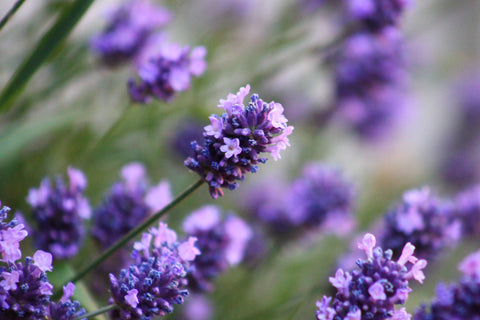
<point x="97" y="312"/>
<point x="134" y="232"/>
<point x="10" y="13"/>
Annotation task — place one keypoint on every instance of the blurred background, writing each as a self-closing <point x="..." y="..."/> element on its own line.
<point x="76" y="111"/>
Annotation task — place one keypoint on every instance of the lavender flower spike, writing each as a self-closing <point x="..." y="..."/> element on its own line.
<point x="235" y="140"/>
<point x="65" y="309"/>
<point x="459" y="301"/>
<point x="24" y="288"/>
<point x="167" y="72"/>
<point x="373" y="290"/>
<point x="10" y="236"/>
<point x="156" y="280"/>
<point x="422" y="219"/>
<point x="129" y="28"/>
<point x="222" y="243"/>
<point x="59" y="211"/>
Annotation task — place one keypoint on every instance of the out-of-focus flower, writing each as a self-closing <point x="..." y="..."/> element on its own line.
<point x="129" y="29"/>
<point x="59" y="212"/>
<point x="459" y="301"/>
<point x="319" y="196"/>
<point x="197" y="307"/>
<point x="234" y="141"/>
<point x="128" y="202"/>
<point x="467" y="209"/>
<point x="156" y="280"/>
<point x="376" y="14"/>
<point x="222" y="244"/>
<point x="423" y="220"/>
<point x="373" y="290"/>
<point x="460" y="166"/>
<point x="370" y="77"/>
<point x="167" y="72"/>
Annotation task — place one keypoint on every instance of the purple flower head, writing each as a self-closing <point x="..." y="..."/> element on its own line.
<point x="370" y="82"/>
<point x="467" y="209"/>
<point x="372" y="291"/>
<point x="422" y="219"/>
<point x="59" y="211"/>
<point x="156" y="280"/>
<point x="129" y="28"/>
<point x="11" y="233"/>
<point x="198" y="307"/>
<point x="167" y="72"/>
<point x="320" y="197"/>
<point x="459" y="301"/>
<point x="65" y="309"/>
<point x="24" y="288"/>
<point x="376" y="14"/>
<point x="128" y="202"/>
<point x="222" y="243"/>
<point x="234" y="140"/>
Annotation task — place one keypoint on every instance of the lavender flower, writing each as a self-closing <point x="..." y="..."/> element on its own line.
<point x="59" y="212"/>
<point x="24" y="288"/>
<point x="373" y="290"/>
<point x="11" y="234"/>
<point x="129" y="29"/>
<point x="459" y="301"/>
<point x="157" y="278"/>
<point x="198" y="307"/>
<point x="370" y="82"/>
<point x="319" y="197"/>
<point x="222" y="244"/>
<point x="234" y="141"/>
<point x="460" y="167"/>
<point x="467" y="209"/>
<point x="65" y="309"/>
<point x="169" y="71"/>
<point x="127" y="203"/>
<point x="376" y="14"/>
<point x="422" y="219"/>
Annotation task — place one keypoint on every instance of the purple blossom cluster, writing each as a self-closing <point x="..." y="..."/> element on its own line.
<point x="162" y="68"/>
<point x="460" y="167"/>
<point x="376" y="14"/>
<point x="167" y="72"/>
<point x="222" y="244"/>
<point x="127" y="203"/>
<point x="370" y="81"/>
<point x="234" y="141"/>
<point x="459" y="301"/>
<point x="59" y="212"/>
<point x="24" y="287"/>
<point x="156" y="280"/>
<point x="129" y="29"/>
<point x="370" y="68"/>
<point x="320" y="197"/>
<point x="467" y="210"/>
<point x="423" y="220"/>
<point x="372" y="291"/>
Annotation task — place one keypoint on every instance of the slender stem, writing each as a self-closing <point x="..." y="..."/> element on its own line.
<point x="10" y="13"/>
<point x="97" y="312"/>
<point x="134" y="232"/>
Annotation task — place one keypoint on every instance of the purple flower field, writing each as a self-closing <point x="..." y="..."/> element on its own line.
<point x="240" y="160"/>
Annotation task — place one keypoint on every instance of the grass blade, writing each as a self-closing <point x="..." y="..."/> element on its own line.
<point x="49" y="42"/>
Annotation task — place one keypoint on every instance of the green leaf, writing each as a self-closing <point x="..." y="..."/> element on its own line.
<point x="49" y="42"/>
